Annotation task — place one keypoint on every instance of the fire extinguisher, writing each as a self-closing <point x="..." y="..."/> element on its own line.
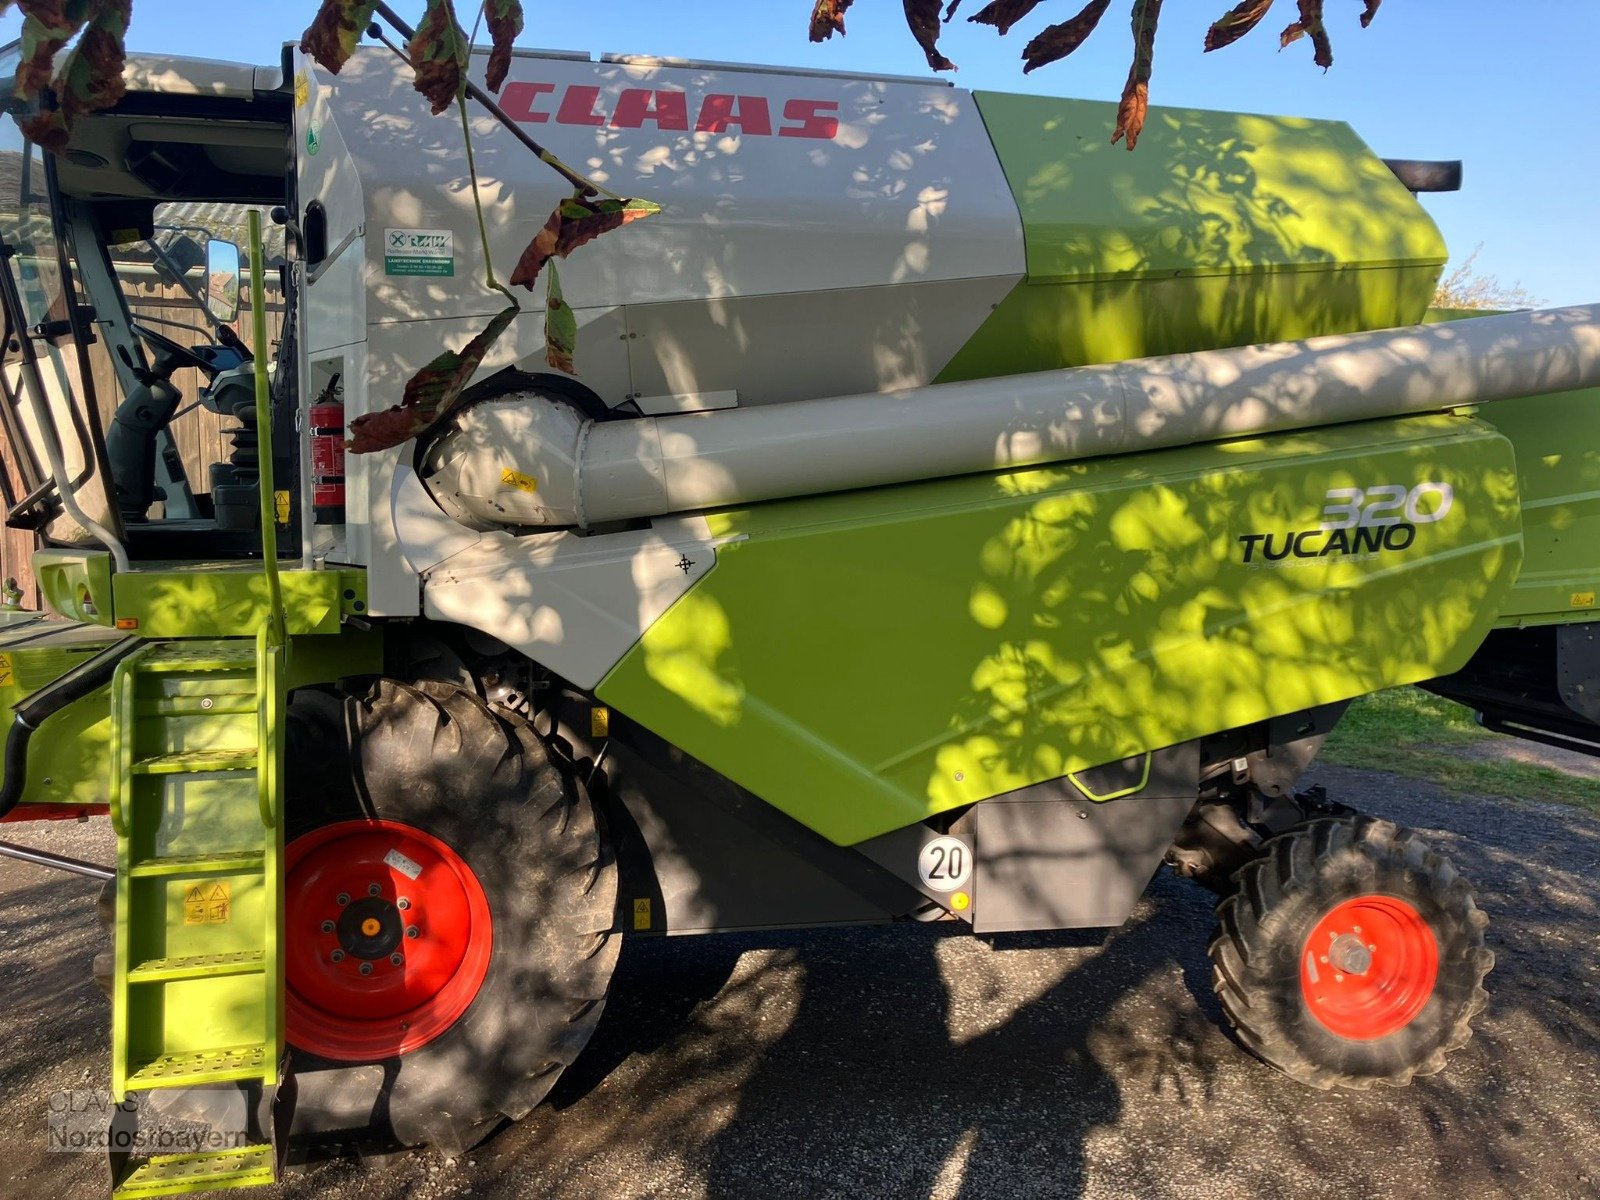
<point x="327" y="454"/>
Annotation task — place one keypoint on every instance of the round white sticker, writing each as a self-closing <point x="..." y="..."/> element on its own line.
<point x="944" y="864"/>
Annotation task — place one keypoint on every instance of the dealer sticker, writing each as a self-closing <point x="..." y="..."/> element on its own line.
<point x="409" y="867"/>
<point x="419" y="252"/>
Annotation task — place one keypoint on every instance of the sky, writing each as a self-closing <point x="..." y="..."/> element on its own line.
<point x="1517" y="100"/>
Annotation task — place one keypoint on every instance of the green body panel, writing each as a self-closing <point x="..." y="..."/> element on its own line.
<point x="75" y="583"/>
<point x="1557" y="444"/>
<point x="195" y="599"/>
<point x="69" y="756"/>
<point x="231" y="600"/>
<point x="863" y="661"/>
<point x="1225" y="230"/>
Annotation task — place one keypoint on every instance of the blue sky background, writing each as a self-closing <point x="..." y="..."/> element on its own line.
<point x="1519" y="102"/>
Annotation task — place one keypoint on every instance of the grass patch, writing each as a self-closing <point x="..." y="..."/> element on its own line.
<point x="1412" y="733"/>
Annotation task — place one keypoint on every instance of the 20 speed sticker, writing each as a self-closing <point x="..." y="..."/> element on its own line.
<point x="944" y="864"/>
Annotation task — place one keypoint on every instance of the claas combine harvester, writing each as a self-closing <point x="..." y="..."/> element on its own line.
<point x="954" y="519"/>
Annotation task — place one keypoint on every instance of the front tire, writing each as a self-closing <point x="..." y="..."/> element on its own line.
<point x="1349" y="954"/>
<point x="449" y="900"/>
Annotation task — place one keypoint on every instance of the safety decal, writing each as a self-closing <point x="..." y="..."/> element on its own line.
<point x="207" y="904"/>
<point x="396" y="861"/>
<point x="642" y="919"/>
<point x="516" y="479"/>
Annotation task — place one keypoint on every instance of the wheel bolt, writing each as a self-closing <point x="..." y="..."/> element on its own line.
<point x="337" y="956"/>
<point x="1337" y="977"/>
<point x="396" y="960"/>
<point x="373" y="889"/>
<point x="412" y="931"/>
<point x="402" y="904"/>
<point x="366" y="968"/>
<point x="342" y="899"/>
<point x="327" y="927"/>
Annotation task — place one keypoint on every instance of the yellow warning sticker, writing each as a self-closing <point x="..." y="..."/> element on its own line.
<point x="641" y="915"/>
<point x="6" y="674"/>
<point x="302" y="90"/>
<point x="1582" y="599"/>
<point x="280" y="504"/>
<point x="599" y="722"/>
<point x="207" y="904"/>
<point x="516" y="479"/>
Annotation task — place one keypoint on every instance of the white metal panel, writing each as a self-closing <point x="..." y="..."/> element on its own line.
<point x="798" y="346"/>
<point x="575" y="605"/>
<point x="771" y="182"/>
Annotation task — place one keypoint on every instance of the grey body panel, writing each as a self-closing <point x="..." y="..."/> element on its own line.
<point x="1049" y="858"/>
<point x="707" y="856"/>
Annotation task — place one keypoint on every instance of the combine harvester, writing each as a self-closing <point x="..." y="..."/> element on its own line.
<point x="955" y="518"/>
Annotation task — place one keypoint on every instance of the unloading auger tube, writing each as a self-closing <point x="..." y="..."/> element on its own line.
<point x="588" y="473"/>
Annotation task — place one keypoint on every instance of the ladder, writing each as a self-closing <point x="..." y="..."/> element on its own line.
<point x="196" y="802"/>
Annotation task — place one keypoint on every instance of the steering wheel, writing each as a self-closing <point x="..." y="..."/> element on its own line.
<point x="170" y="356"/>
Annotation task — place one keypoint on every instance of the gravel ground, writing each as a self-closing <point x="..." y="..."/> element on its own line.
<point x="902" y="1062"/>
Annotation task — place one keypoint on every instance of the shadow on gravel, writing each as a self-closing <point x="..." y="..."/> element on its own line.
<point x="50" y="936"/>
<point x="903" y="1062"/>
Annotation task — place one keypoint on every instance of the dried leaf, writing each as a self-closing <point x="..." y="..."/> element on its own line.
<point x="47" y="25"/>
<point x="576" y="222"/>
<point x="1235" y="23"/>
<point x="1310" y="24"/>
<point x="430" y="394"/>
<point x="90" y="77"/>
<point x="335" y="31"/>
<point x="560" y="326"/>
<point x="504" y="18"/>
<point x="1136" y="92"/>
<point x="439" y="55"/>
<point x="1369" y="11"/>
<point x="1003" y="14"/>
<point x="827" y="19"/>
<point x="950" y="12"/>
<point x="1058" y="41"/>
<point x="922" y="18"/>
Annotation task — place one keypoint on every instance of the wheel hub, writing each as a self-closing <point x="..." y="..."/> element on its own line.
<point x="370" y="928"/>
<point x="388" y="939"/>
<point x="1369" y="967"/>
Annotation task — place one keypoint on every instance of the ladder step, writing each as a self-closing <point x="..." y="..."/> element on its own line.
<point x="232" y="862"/>
<point x="197" y="762"/>
<point x="203" y="658"/>
<point x="198" y="1067"/>
<point x="197" y="966"/>
<point x="172" y="1174"/>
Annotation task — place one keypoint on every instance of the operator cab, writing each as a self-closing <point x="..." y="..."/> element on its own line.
<point x="124" y="294"/>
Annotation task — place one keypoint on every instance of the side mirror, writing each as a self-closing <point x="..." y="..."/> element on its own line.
<point x="222" y="281"/>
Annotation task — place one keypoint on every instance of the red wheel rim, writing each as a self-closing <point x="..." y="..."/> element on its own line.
<point x="1369" y="967"/>
<point x="387" y="939"/>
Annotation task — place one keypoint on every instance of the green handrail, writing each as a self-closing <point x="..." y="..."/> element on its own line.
<point x="269" y="522"/>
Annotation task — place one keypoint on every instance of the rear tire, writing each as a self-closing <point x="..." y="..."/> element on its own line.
<point x="1349" y="954"/>
<point x="488" y="820"/>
